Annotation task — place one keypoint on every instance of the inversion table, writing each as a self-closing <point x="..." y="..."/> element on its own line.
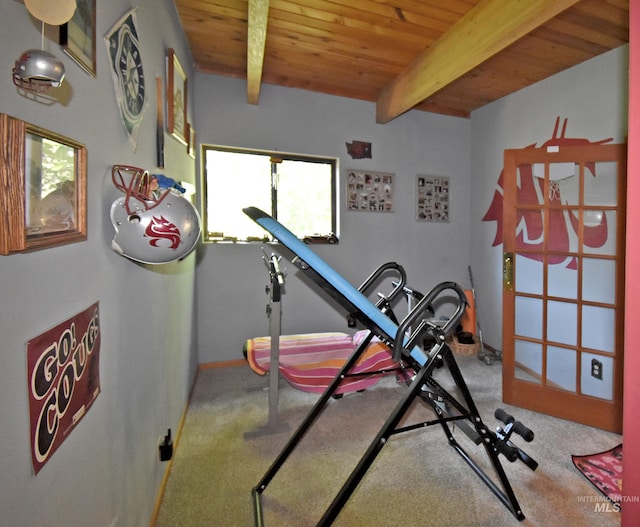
<point x="406" y="342"/>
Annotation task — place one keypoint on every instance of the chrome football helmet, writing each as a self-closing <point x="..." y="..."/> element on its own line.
<point x="38" y="70"/>
<point x="153" y="225"/>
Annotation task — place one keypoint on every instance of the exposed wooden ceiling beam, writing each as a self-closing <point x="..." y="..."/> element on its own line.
<point x="256" y="38"/>
<point x="488" y="28"/>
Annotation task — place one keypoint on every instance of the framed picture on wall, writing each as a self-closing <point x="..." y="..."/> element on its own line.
<point x="432" y="198"/>
<point x="45" y="173"/>
<point x="78" y="36"/>
<point x="370" y="191"/>
<point x="176" y="98"/>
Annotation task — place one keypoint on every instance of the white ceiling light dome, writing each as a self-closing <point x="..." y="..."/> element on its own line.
<point x="52" y="12"/>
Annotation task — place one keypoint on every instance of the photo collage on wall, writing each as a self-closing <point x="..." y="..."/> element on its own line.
<point x="370" y="191"/>
<point x="432" y="198"/>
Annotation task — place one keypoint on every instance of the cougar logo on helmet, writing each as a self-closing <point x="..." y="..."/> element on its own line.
<point x="160" y="229"/>
<point x="153" y="224"/>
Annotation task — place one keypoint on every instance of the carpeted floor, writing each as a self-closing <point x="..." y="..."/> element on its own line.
<point x="416" y="480"/>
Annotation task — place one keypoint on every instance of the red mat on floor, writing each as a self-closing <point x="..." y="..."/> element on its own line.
<point x="604" y="471"/>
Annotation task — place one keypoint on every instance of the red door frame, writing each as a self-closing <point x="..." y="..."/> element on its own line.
<point x="631" y="412"/>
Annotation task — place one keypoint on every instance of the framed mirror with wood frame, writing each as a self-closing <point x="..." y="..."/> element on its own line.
<point x="43" y="178"/>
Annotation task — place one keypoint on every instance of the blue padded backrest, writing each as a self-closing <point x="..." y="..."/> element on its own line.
<point x="345" y="288"/>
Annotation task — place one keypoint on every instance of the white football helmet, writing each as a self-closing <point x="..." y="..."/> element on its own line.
<point x="153" y="226"/>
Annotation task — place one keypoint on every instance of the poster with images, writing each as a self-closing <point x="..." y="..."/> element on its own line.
<point x="370" y="191"/>
<point x="432" y="198"/>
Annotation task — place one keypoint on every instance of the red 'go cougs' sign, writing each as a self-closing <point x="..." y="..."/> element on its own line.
<point x="63" y="378"/>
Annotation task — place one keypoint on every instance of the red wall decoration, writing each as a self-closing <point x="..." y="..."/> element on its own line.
<point x="530" y="192"/>
<point x="63" y="381"/>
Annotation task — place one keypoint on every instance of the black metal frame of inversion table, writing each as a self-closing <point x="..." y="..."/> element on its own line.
<point x="405" y="342"/>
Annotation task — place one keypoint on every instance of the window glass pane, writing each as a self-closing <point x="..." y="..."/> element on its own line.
<point x="530" y="191"/>
<point x="562" y="237"/>
<point x="561" y="368"/>
<point x="562" y="321"/>
<point x="562" y="282"/>
<point x="601" y="183"/>
<point x="598" y="280"/>
<point x="529" y="317"/>
<point x="563" y="185"/>
<point x="600" y="232"/>
<point x="235" y="181"/>
<point x="598" y="328"/>
<point x="302" y="196"/>
<point x="528" y="358"/>
<point x="528" y="276"/>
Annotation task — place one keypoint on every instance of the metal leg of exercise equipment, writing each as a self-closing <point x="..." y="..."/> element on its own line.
<point x="503" y="491"/>
<point x="297" y="436"/>
<point x="383" y="304"/>
<point x="275" y="424"/>
<point x="405" y="344"/>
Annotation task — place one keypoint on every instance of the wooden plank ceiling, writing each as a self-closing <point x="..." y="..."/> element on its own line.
<point x="443" y="56"/>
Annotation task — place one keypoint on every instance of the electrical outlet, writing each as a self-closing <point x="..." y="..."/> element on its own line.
<point x="166" y="447"/>
<point x="596" y="369"/>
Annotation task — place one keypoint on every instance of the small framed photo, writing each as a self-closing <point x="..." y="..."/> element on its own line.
<point x="78" y="36"/>
<point x="432" y="199"/>
<point x="176" y="98"/>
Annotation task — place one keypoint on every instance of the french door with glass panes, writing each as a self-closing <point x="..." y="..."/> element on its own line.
<point x="563" y="271"/>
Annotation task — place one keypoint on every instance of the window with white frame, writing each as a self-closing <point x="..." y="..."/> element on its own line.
<point x="299" y="190"/>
